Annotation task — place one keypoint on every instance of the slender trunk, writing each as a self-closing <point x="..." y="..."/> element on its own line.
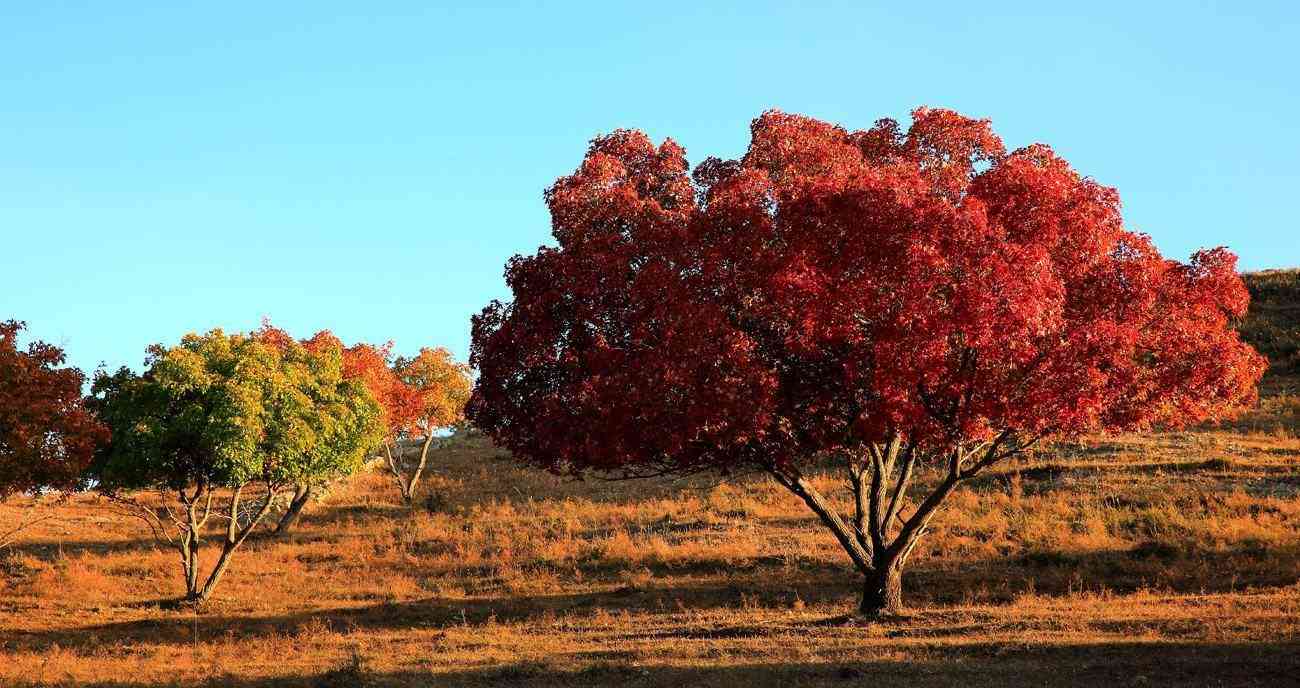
<point x="189" y="548"/>
<point x="235" y="536"/>
<point x="183" y="548"/>
<point x="213" y="578"/>
<point x="882" y="591"/>
<point x="395" y="467"/>
<point x="408" y="491"/>
<point x="301" y="495"/>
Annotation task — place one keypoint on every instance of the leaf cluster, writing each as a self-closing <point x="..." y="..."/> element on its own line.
<point x="227" y="409"/>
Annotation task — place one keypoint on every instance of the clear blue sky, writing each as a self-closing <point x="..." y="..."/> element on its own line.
<point x="369" y="167"/>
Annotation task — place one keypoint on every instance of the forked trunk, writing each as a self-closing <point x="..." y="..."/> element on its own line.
<point x="407" y="485"/>
<point x="408" y="492"/>
<point x="235" y="536"/>
<point x="879" y="478"/>
<point x="882" y="592"/>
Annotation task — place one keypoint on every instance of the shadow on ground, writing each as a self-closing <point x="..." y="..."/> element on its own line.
<point x="765" y="583"/>
<point x="983" y="664"/>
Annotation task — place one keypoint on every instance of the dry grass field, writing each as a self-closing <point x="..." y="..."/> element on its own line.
<point x="1126" y="561"/>
<point x="1157" y="559"/>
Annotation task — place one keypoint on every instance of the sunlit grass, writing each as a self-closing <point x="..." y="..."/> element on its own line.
<point x="509" y="575"/>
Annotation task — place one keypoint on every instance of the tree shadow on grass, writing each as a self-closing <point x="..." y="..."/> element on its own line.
<point x="766" y="584"/>
<point x="326" y="516"/>
<point x="979" y="664"/>
<point x="181" y="627"/>
<point x="49" y="550"/>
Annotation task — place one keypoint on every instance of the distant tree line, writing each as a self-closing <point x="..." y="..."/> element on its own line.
<point x="219" y="430"/>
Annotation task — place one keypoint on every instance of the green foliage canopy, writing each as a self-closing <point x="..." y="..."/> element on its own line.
<point x="228" y="409"/>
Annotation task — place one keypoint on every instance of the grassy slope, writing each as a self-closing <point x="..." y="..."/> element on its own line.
<point x="1133" y="560"/>
<point x="1273" y="324"/>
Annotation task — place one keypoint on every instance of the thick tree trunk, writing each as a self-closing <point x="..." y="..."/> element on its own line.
<point x="301" y="495"/>
<point x="879" y="478"/>
<point x="882" y="592"/>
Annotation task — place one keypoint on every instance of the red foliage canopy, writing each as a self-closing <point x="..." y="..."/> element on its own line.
<point x="47" y="436"/>
<point x="401" y="403"/>
<point x="833" y="288"/>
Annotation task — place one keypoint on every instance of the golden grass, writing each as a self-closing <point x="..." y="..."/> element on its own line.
<point x="1134" y="560"/>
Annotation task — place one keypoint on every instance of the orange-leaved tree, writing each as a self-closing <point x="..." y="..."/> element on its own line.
<point x="905" y="301"/>
<point x="434" y="388"/>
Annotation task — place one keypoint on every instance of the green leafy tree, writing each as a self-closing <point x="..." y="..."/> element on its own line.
<point x="329" y="461"/>
<point x="220" y="426"/>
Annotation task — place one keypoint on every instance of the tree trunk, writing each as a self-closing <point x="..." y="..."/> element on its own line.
<point x="880" y="490"/>
<point x="301" y="495"/>
<point x="189" y="548"/>
<point x="882" y="592"/>
<point x="235" y="536"/>
<point x="408" y="490"/>
<point x="215" y="577"/>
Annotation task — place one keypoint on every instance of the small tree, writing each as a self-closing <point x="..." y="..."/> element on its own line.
<point x="901" y="301"/>
<point x="47" y="436"/>
<point x="433" y="389"/>
<point x="215" y="417"/>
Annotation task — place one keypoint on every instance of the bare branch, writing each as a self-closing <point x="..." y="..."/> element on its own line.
<point x="795" y="482"/>
<point x="7" y="538"/>
<point x="207" y="507"/>
<point x="993" y="455"/>
<point x="900" y="487"/>
<point x="133" y="508"/>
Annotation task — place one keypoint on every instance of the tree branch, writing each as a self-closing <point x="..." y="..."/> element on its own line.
<point x="802" y="489"/>
<point x="7" y="538"/>
<point x="900" y="487"/>
<point x="992" y="455"/>
<point x="857" y="476"/>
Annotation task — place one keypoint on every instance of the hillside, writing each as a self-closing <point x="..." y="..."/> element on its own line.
<point x="1273" y="324"/>
<point x="1168" y="558"/>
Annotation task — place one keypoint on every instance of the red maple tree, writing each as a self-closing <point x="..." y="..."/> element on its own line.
<point x="47" y="436"/>
<point x="897" y="300"/>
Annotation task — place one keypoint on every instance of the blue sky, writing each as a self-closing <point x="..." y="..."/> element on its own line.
<point x="370" y="167"/>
